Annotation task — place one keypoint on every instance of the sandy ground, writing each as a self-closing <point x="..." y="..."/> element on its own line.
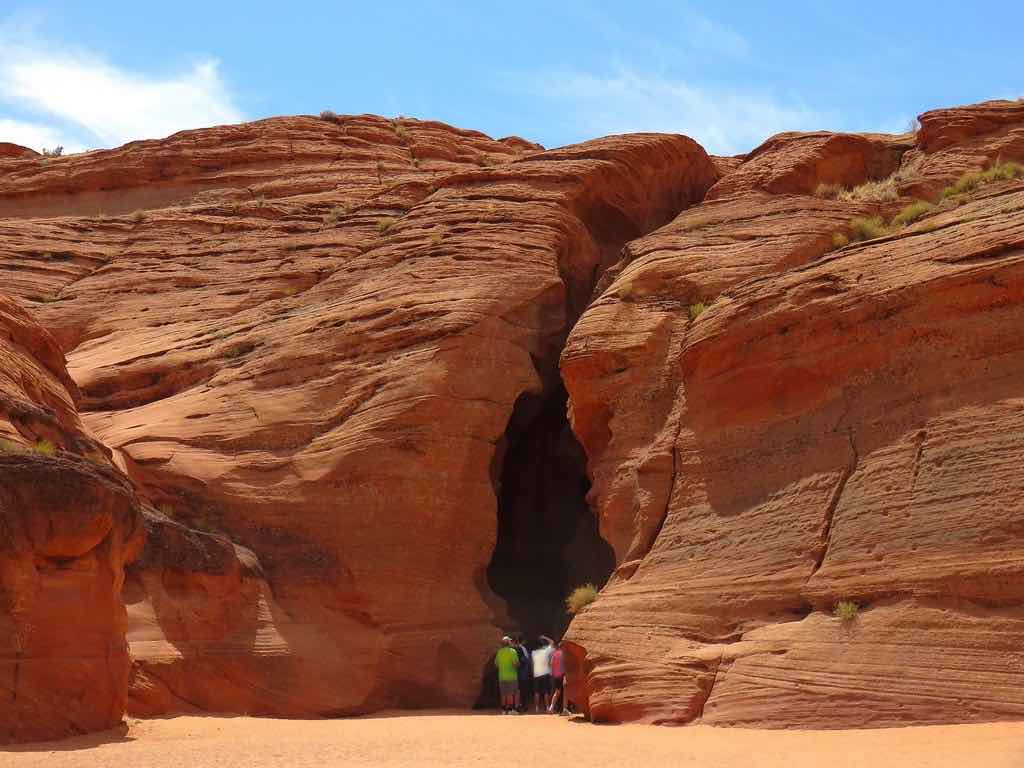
<point x="460" y="739"/>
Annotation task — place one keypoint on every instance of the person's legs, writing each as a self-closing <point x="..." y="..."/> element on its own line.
<point x="525" y="693"/>
<point x="554" y="701"/>
<point x="557" y="700"/>
<point x="542" y="686"/>
<point x="508" y="695"/>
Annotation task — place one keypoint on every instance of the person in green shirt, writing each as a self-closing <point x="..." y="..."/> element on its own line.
<point x="507" y="662"/>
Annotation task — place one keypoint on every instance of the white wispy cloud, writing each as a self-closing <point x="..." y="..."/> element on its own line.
<point x="50" y="95"/>
<point x="692" y="32"/>
<point x="704" y="33"/>
<point x="724" y="119"/>
<point x="36" y="135"/>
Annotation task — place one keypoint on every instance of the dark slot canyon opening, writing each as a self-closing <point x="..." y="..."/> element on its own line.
<point x="548" y="539"/>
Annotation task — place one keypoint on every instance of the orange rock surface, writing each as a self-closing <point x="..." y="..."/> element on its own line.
<point x="323" y="372"/>
<point x="834" y="426"/>
<point x="311" y="347"/>
<point x="68" y="522"/>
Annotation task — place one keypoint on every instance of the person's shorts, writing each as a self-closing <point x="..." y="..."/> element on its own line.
<point x="558" y="683"/>
<point x="508" y="687"/>
<point x="542" y="685"/>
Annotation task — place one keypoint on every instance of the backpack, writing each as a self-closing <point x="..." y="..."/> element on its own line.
<point x="525" y="663"/>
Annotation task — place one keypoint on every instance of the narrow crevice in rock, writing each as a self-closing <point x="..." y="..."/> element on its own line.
<point x="825" y="537"/>
<point x="548" y="540"/>
<point x="711" y="688"/>
<point x="920" y="439"/>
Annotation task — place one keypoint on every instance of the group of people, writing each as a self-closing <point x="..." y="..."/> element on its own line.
<point x="522" y="673"/>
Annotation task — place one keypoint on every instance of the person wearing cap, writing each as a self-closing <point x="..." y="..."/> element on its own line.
<point x="507" y="662"/>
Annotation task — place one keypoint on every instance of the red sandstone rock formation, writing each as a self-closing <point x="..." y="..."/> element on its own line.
<point x="833" y="426"/>
<point x="312" y="346"/>
<point x="68" y="522"/>
<point x="207" y="633"/>
<point x="323" y="372"/>
<point x="15" y="150"/>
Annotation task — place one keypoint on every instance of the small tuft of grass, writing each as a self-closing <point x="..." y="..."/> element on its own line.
<point x="912" y="213"/>
<point x="839" y="240"/>
<point x="436" y="237"/>
<point x="385" y="224"/>
<point x="696" y="310"/>
<point x="329" y="116"/>
<point x="138" y="217"/>
<point x="380" y="171"/>
<point x="867" y="228"/>
<point x="401" y="132"/>
<point x="879" y="191"/>
<point x="846" y="610"/>
<point x="44" y="448"/>
<point x="55" y="152"/>
<point x="974" y="179"/>
<point x="335" y="215"/>
<point x="580" y="598"/>
<point x="485" y="162"/>
<point x="828" y="191"/>
<point x="9" y="446"/>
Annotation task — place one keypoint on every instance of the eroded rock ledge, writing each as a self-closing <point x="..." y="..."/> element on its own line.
<point x="68" y="522"/>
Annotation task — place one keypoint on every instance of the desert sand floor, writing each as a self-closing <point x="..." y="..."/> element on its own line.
<point x="438" y="739"/>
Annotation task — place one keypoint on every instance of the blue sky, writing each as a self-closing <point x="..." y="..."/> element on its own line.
<point x="728" y="74"/>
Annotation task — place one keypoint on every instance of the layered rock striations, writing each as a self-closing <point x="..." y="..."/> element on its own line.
<point x="308" y="357"/>
<point x="68" y="523"/>
<point x="310" y="381"/>
<point x="832" y="426"/>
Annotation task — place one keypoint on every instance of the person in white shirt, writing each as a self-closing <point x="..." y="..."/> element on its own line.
<point x="542" y="673"/>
